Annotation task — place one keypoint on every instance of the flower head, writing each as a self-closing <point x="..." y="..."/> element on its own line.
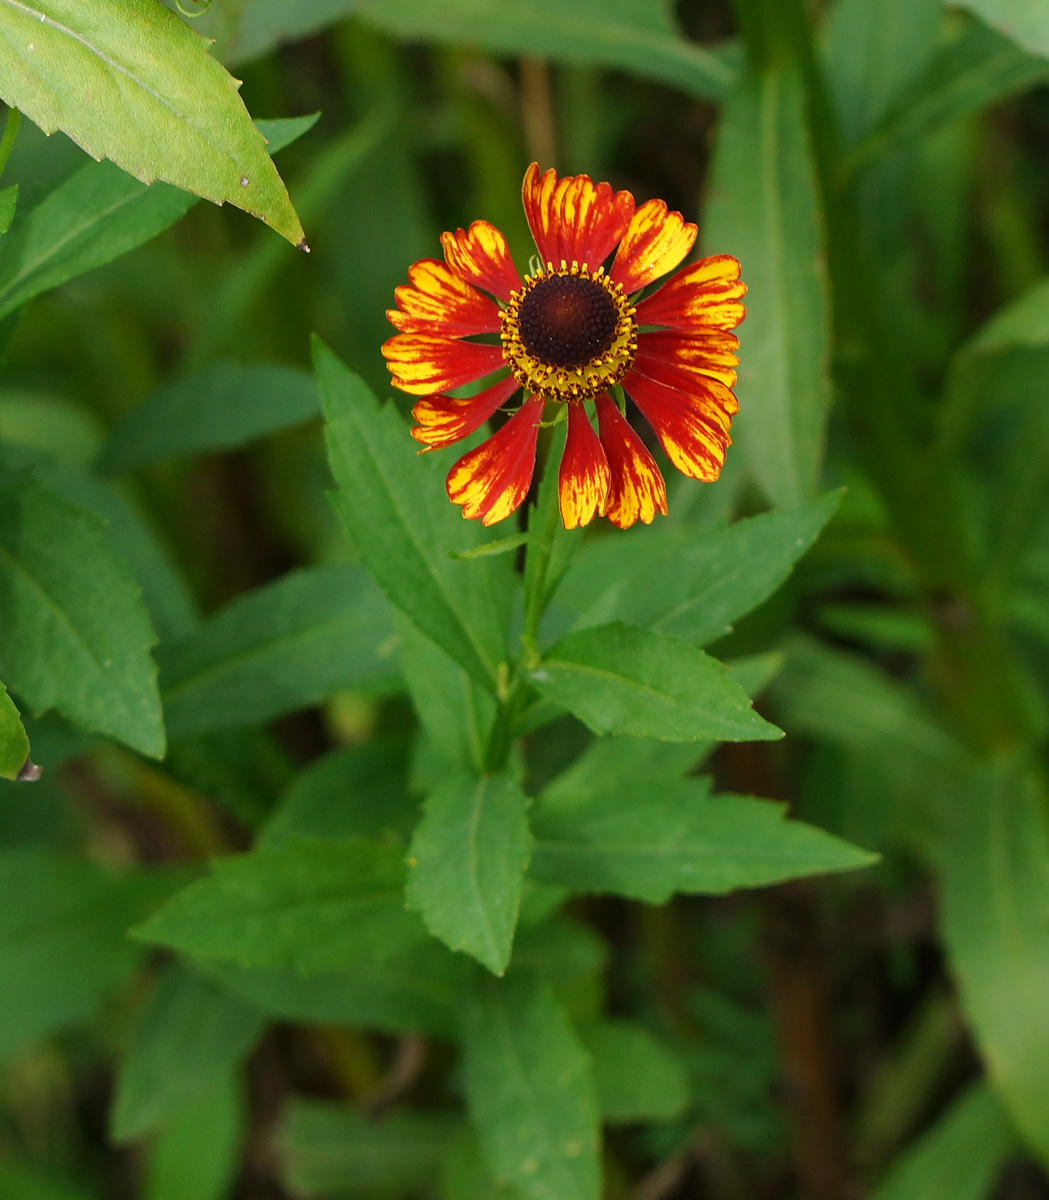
<point x="569" y="333"/>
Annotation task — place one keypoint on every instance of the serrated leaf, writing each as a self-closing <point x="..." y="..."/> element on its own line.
<point x="995" y="901"/>
<point x="698" y="587"/>
<point x="394" y="507"/>
<point x="618" y="679"/>
<point x="133" y="83"/>
<point x="329" y="1148"/>
<point x="189" y="1036"/>
<point x="467" y="862"/>
<point x="282" y="647"/>
<point x="650" y="843"/>
<point x="311" y="906"/>
<point x="74" y="633"/>
<point x="764" y="208"/>
<point x="14" y="744"/>
<point x="221" y="407"/>
<point x="96" y="215"/>
<point x="638" y="1076"/>
<point x="530" y="1090"/>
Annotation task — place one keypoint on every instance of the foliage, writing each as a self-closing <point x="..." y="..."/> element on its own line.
<point x="380" y="854"/>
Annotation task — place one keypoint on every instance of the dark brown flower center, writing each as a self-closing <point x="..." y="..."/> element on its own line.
<point x="567" y="320"/>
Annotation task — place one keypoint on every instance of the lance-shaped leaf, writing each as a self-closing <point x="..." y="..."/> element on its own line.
<point x="133" y="83"/>
<point x="618" y="679"/>
<point x="74" y="633"/>
<point x="394" y="506"/>
<point x="995" y="904"/>
<point x="14" y="744"/>
<point x="697" y="587"/>
<point x="467" y="863"/>
<point x="649" y="843"/>
<point x="638" y="1076"/>
<point x="1025" y="21"/>
<point x="530" y="1090"/>
<point x="308" y="905"/>
<point x="764" y="209"/>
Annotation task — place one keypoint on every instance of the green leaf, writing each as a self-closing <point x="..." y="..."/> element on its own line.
<point x="22" y="1182"/>
<point x="135" y="84"/>
<point x="764" y="208"/>
<point x="63" y="947"/>
<point x="649" y="843"/>
<point x="14" y="744"/>
<point x="618" y="679"/>
<point x="394" y="507"/>
<point x="464" y="1175"/>
<point x="639" y="1077"/>
<point x="222" y="407"/>
<point x="74" y="633"/>
<point x="467" y="863"/>
<point x="310" y="906"/>
<point x="960" y="1157"/>
<point x="699" y="586"/>
<point x="191" y="1033"/>
<point x="994" y="902"/>
<point x="406" y="993"/>
<point x="1025" y="21"/>
<point x="357" y="791"/>
<point x="329" y="1148"/>
<point x="530" y="1090"/>
<point x="198" y="1152"/>
<point x="8" y="204"/>
<point x="973" y="71"/>
<point x="632" y="35"/>
<point x="282" y="647"/>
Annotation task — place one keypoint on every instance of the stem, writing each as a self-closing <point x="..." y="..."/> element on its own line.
<point x="7" y="142"/>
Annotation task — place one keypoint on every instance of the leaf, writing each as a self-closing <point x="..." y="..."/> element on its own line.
<point x="995" y="908"/>
<point x="960" y="1157"/>
<point x="329" y="1148"/>
<point x="699" y="586"/>
<point x="74" y="633"/>
<point x="973" y="71"/>
<point x="632" y="35"/>
<point x="405" y="993"/>
<point x="280" y="648"/>
<point x="618" y="679"/>
<point x="22" y="1182"/>
<point x="14" y="744"/>
<point x="649" y="843"/>
<point x="394" y="507"/>
<point x="63" y="947"/>
<point x="197" y="1153"/>
<point x="135" y="84"/>
<point x="8" y="204"/>
<point x="310" y="906"/>
<point x="530" y="1090"/>
<point x="464" y="1175"/>
<point x="190" y="1035"/>
<point x="764" y="208"/>
<point x="96" y="215"/>
<point x="467" y="862"/>
<point x="638" y="1076"/>
<point x="222" y="407"/>
<point x="1025" y="21"/>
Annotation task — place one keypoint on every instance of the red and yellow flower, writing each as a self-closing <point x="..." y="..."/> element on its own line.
<point x="568" y="334"/>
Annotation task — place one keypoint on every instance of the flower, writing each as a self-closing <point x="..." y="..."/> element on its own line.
<point x="567" y="334"/>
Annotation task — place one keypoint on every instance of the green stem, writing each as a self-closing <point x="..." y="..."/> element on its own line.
<point x="7" y="141"/>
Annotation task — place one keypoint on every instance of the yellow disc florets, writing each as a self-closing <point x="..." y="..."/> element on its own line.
<point x="568" y="334"/>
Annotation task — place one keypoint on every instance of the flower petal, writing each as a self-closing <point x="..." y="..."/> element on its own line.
<point x="444" y="420"/>
<point x="438" y="301"/>
<point x="692" y="428"/>
<point x="655" y="242"/>
<point x="636" y="490"/>
<point x="707" y="292"/>
<point x="679" y="359"/>
<point x="421" y="364"/>
<point x="481" y="256"/>
<point x="573" y="219"/>
<point x="491" y="481"/>
<point x="584" y="475"/>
